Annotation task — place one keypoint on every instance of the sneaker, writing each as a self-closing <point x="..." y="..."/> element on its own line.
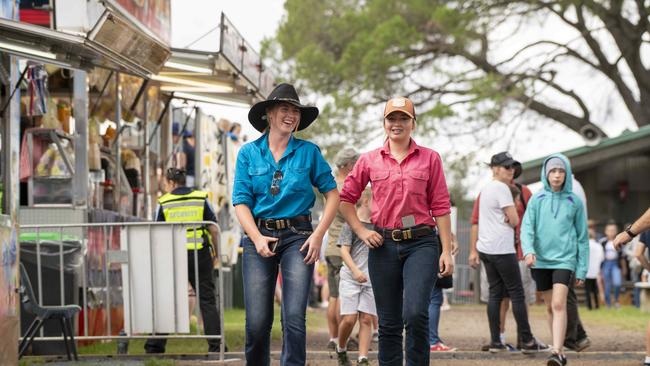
<point x="497" y="347"/>
<point x="534" y="347"/>
<point x="512" y="348"/>
<point x="331" y="345"/>
<point x="556" y="360"/>
<point x="343" y="358"/>
<point x="582" y="344"/>
<point x="441" y="347"/>
<point x="363" y="362"/>
<point x="570" y="345"/>
<point x="353" y="344"/>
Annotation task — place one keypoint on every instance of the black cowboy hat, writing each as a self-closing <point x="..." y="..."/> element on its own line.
<point x="282" y="93"/>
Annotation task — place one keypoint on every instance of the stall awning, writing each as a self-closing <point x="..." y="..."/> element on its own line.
<point x="112" y="44"/>
<point x="234" y="74"/>
<point x="202" y="76"/>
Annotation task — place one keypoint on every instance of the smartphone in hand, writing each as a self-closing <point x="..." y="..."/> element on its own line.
<point x="273" y="245"/>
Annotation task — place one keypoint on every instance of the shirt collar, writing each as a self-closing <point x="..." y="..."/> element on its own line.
<point x="181" y="190"/>
<point x="413" y="147"/>
<point x="262" y="144"/>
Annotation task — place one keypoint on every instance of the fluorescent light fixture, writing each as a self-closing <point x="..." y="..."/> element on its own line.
<point x="27" y="50"/>
<point x="186" y="67"/>
<point x="192" y="89"/>
<point x="216" y="88"/>
<point x="200" y="98"/>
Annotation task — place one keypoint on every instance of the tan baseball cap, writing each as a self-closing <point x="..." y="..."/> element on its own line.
<point x="400" y="104"/>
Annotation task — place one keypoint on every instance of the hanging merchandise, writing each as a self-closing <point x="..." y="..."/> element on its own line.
<point x="37" y="89"/>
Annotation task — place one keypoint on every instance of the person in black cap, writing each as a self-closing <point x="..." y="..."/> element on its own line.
<point x="521" y="203"/>
<point x="273" y="195"/>
<point x="496" y="248"/>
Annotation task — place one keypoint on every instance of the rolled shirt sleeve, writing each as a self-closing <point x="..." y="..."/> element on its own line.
<point x="356" y="181"/>
<point x="321" y="173"/>
<point x="242" y="193"/>
<point x="437" y="190"/>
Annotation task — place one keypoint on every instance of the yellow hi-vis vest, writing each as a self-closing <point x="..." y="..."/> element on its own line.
<point x="184" y="208"/>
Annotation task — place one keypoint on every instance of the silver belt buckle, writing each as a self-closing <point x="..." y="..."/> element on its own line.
<point x="392" y="235"/>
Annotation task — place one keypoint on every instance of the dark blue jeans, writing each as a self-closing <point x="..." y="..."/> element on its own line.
<point x="402" y="275"/>
<point x="260" y="276"/>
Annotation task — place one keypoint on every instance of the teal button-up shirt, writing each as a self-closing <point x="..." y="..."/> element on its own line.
<point x="302" y="167"/>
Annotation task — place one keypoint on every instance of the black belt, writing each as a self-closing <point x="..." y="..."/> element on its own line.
<point x="406" y="234"/>
<point x="279" y="224"/>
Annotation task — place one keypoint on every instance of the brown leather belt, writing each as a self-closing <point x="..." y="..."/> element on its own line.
<point x="279" y="224"/>
<point x="406" y="234"/>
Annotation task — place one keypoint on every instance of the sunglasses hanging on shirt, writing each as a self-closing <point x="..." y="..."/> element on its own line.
<point x="275" y="183"/>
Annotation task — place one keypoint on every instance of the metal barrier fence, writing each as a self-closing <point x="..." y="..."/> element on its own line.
<point x="113" y="260"/>
<point x="466" y="279"/>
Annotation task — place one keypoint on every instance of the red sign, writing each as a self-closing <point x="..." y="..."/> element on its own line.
<point x="153" y="14"/>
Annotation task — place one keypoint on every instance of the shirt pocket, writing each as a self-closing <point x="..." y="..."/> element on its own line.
<point x="260" y="178"/>
<point x="379" y="182"/>
<point x="298" y="180"/>
<point x="417" y="182"/>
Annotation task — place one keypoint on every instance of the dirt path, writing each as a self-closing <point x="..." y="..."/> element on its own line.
<point x="466" y="328"/>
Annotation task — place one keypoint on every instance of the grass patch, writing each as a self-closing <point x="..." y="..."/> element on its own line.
<point x="626" y="318"/>
<point x="158" y="362"/>
<point x="234" y="324"/>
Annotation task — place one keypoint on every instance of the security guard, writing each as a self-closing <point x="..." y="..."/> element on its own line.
<point x="183" y="204"/>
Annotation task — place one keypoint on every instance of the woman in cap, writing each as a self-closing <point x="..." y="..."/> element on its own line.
<point x="409" y="191"/>
<point x="273" y="196"/>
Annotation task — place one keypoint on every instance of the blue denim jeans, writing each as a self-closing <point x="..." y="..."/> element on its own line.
<point x="402" y="275"/>
<point x="260" y="276"/>
<point x="435" y="302"/>
<point x="612" y="278"/>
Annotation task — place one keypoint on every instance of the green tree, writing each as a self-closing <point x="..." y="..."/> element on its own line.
<point x="466" y="60"/>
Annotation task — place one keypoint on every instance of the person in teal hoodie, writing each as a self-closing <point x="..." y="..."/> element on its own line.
<point x="556" y="244"/>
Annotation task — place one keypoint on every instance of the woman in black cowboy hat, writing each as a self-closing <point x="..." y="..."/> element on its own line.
<point x="273" y="194"/>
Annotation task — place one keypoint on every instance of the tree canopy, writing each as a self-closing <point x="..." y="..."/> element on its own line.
<point x="471" y="61"/>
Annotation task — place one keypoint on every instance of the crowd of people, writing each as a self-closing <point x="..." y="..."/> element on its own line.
<point x="389" y="247"/>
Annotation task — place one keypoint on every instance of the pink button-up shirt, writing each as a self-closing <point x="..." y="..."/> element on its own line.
<point x="415" y="187"/>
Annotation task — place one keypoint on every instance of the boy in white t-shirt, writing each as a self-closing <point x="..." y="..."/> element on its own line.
<point x="357" y="301"/>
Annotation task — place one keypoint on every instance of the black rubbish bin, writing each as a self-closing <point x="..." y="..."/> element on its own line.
<point x="50" y="258"/>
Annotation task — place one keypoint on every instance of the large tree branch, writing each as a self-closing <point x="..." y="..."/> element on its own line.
<point x="569" y="51"/>
<point x="630" y="53"/>
<point x="610" y="70"/>
<point x="627" y="39"/>
<point x="570" y="120"/>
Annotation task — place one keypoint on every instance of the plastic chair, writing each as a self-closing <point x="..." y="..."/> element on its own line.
<point x="63" y="314"/>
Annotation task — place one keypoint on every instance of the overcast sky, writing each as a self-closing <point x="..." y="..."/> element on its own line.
<point x="192" y="22"/>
